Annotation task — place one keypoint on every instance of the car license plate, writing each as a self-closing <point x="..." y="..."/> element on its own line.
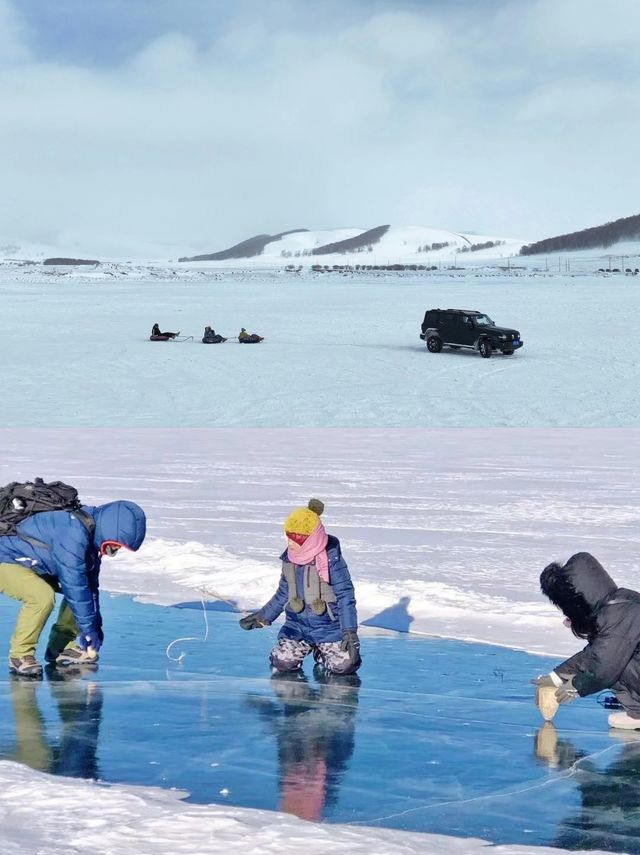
<point x="516" y="342"/>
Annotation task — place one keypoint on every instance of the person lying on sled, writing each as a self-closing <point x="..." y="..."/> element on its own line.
<point x="156" y="333"/>
<point x="316" y="594"/>
<point x="608" y="618"/>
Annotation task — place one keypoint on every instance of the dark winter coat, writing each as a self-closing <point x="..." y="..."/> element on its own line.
<point x="587" y="595"/>
<point x="307" y="625"/>
<point x="70" y="555"/>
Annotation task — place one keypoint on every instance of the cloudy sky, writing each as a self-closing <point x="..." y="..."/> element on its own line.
<point x="196" y="123"/>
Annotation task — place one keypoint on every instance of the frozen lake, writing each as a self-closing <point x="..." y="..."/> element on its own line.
<point x="339" y="351"/>
<point x="440" y="737"/>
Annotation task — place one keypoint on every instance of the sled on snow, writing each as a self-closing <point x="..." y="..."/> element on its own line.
<point x="170" y="338"/>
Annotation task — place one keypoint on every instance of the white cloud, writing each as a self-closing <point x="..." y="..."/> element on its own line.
<point x="12" y="37"/>
<point x="465" y="120"/>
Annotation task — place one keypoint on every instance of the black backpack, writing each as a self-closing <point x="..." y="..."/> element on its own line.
<point x="19" y="501"/>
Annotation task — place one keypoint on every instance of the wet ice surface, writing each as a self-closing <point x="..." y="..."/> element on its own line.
<point x="441" y="736"/>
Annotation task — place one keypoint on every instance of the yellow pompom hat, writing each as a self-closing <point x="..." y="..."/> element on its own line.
<point x="304" y="520"/>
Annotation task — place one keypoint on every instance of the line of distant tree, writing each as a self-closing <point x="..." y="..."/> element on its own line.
<point x="488" y="244"/>
<point x="626" y="228"/>
<point x="360" y="268"/>
<point x="303" y="253"/>
<point x="433" y="247"/>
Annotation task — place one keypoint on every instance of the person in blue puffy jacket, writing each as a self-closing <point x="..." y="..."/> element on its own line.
<point x="316" y="594"/>
<point x="60" y="552"/>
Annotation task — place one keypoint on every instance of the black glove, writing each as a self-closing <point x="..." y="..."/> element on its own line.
<point x="253" y="621"/>
<point x="351" y="644"/>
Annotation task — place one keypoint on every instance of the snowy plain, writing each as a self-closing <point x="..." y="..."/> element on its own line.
<point x="441" y="538"/>
<point x="340" y="351"/>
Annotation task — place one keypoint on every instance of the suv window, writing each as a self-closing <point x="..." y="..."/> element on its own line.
<point x="483" y="320"/>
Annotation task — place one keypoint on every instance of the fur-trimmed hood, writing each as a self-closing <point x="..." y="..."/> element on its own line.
<point x="609" y="618"/>
<point x="578" y="588"/>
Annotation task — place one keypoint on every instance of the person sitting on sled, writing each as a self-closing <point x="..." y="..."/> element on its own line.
<point x="317" y="596"/>
<point x="606" y="616"/>
<point x="211" y="336"/>
<point x="60" y="551"/>
<point x="155" y="332"/>
<point x="245" y="338"/>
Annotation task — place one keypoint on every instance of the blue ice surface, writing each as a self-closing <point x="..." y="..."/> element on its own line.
<point x="441" y="736"/>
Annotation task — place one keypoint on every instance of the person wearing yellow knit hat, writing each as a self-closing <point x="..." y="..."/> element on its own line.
<point x="316" y="594"/>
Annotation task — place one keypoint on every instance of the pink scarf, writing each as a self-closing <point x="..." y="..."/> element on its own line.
<point x="313" y="549"/>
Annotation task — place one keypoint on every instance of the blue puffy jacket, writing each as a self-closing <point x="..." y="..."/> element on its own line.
<point x="307" y="625"/>
<point x="70" y="554"/>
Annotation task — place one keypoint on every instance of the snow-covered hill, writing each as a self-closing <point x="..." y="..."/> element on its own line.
<point x="398" y="244"/>
<point x="407" y="244"/>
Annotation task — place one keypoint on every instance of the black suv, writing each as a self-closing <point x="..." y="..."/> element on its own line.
<point x="458" y="328"/>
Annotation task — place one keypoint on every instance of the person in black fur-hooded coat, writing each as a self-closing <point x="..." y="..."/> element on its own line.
<point x="606" y="616"/>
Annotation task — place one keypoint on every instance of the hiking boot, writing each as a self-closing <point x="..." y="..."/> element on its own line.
<point x="622" y="721"/>
<point x="25" y="666"/>
<point x="74" y="655"/>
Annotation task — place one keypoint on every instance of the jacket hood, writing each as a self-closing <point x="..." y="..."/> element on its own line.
<point x="124" y="522"/>
<point x="577" y="587"/>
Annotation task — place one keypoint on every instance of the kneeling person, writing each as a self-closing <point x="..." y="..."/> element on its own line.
<point x="608" y="618"/>
<point x="316" y="594"/>
<point x="60" y="552"/>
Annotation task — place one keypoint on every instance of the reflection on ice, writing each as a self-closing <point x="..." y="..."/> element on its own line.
<point x="314" y="730"/>
<point x="72" y="752"/>
<point x="440" y="736"/>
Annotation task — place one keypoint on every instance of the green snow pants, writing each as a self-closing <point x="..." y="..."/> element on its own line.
<point x="38" y="599"/>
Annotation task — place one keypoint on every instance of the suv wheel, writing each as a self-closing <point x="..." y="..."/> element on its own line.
<point x="434" y="344"/>
<point x="485" y="348"/>
<point x="508" y="352"/>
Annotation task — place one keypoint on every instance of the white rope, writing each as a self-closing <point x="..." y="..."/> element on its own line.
<point x="204" y="592"/>
<point x="191" y="638"/>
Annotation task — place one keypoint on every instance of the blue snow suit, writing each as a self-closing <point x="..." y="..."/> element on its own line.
<point x="70" y="555"/>
<point x="307" y="625"/>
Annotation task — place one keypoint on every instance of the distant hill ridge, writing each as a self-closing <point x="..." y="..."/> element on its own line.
<point x="61" y="262"/>
<point x="626" y="228"/>
<point x="353" y="244"/>
<point x="255" y="246"/>
<point x="245" y="249"/>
